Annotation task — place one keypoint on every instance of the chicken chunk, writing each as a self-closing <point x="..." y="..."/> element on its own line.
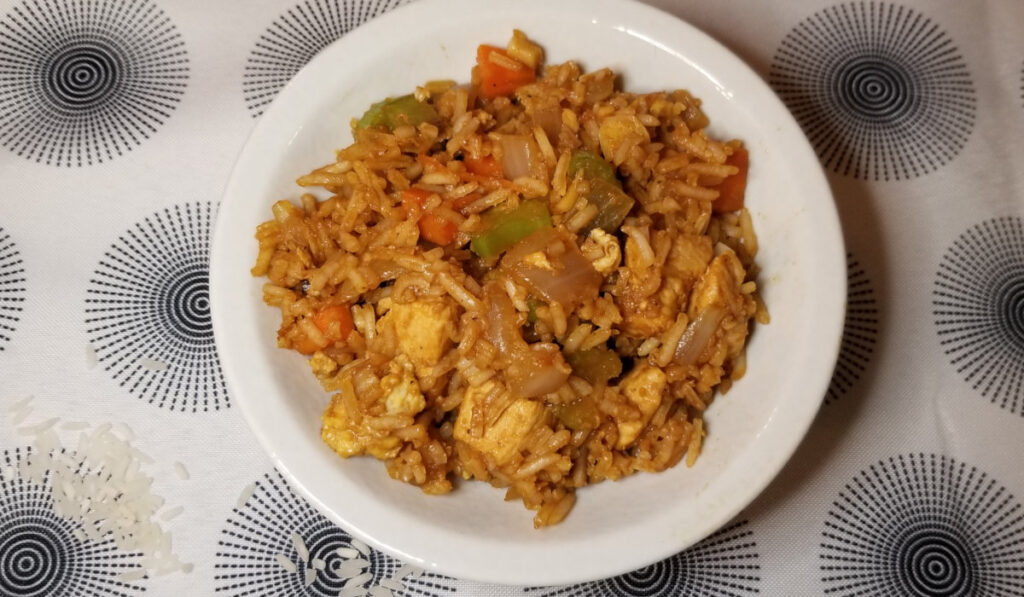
<point x="403" y="391"/>
<point x="502" y="439"/>
<point x="422" y="328"/>
<point x="647" y="300"/>
<point x="643" y="386"/>
<point x="688" y="259"/>
<point x="720" y="286"/>
<point x="719" y="289"/>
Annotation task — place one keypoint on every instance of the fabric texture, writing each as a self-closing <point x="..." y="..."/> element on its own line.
<point x="119" y="125"/>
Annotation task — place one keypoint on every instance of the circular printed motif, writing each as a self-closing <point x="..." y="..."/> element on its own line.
<point x="978" y="305"/>
<point x="40" y="556"/>
<point x="148" y="311"/>
<point x="12" y="287"/>
<point x="85" y="81"/>
<point x="277" y="544"/>
<point x="295" y="37"/>
<point x="860" y="331"/>
<point x="724" y="564"/>
<point x="923" y="525"/>
<point x="880" y="90"/>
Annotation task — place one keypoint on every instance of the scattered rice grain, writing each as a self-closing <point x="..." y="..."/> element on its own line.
<point x="243" y="497"/>
<point x="152" y="364"/>
<point x="288" y="565"/>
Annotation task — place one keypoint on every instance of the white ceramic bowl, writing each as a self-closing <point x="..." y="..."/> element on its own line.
<point x="615" y="527"/>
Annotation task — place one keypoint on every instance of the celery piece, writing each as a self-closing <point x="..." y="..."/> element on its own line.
<point x="394" y="112"/>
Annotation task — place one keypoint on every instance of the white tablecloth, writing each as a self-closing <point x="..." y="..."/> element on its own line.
<point x="119" y="124"/>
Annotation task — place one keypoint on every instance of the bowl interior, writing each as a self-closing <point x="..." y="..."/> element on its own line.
<point x="617" y="526"/>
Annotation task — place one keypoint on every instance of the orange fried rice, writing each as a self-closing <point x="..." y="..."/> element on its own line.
<point x="536" y="280"/>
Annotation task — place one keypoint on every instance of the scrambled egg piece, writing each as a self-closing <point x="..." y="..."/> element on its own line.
<point x="643" y="386"/>
<point x="539" y="260"/>
<point x="403" y="391"/>
<point x="501" y="440"/>
<point x="322" y="365"/>
<point x="602" y="249"/>
<point x="348" y="438"/>
<point x="423" y="327"/>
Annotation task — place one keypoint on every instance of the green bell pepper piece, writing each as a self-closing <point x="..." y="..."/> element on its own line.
<point x="504" y="228"/>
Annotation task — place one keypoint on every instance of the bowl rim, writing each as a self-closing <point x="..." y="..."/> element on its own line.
<point x="656" y="27"/>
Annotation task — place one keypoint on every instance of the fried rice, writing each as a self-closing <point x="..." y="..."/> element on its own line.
<point x="535" y="280"/>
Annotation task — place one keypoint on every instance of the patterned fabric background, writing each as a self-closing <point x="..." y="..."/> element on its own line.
<point x="119" y="124"/>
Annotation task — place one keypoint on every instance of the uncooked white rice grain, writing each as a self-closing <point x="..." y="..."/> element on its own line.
<point x="80" y="535"/>
<point x="38" y="428"/>
<point x="346" y="552"/>
<point x="152" y="364"/>
<point x="243" y="497"/>
<point x="380" y="591"/>
<point x="319" y="564"/>
<point x="124" y="432"/>
<point x="173" y="512"/>
<point x="353" y="592"/>
<point x="310" y="576"/>
<point x="90" y="356"/>
<point x="74" y="425"/>
<point x="362" y="547"/>
<point x="285" y="563"/>
<point x="351" y="568"/>
<point x="20" y="404"/>
<point x="300" y="546"/>
<point x="403" y="571"/>
<point x="181" y="471"/>
<point x="134" y="574"/>
<point x="20" y="415"/>
<point x="358" y="580"/>
<point x="392" y="584"/>
<point x="188" y="568"/>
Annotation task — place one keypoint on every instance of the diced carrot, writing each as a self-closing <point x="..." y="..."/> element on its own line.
<point x="485" y="166"/>
<point x="413" y="200"/>
<point x="433" y="227"/>
<point x="500" y="74"/>
<point x="732" y="189"/>
<point x="334" y="321"/>
<point x="437" y="229"/>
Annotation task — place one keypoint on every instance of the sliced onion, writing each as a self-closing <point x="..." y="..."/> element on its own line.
<point x="697" y="335"/>
<point x="530" y="370"/>
<point x="572" y="278"/>
<point x="549" y="118"/>
<point x="538" y="370"/>
<point x="515" y="156"/>
<point x="502" y="330"/>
